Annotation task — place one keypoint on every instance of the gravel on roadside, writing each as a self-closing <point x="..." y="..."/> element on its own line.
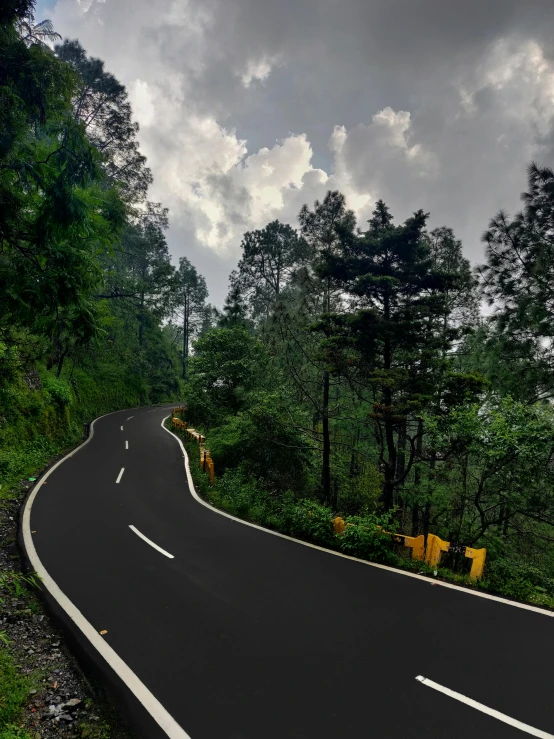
<point x="62" y="701"/>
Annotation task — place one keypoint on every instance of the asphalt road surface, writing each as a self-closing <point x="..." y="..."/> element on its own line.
<point x="240" y="634"/>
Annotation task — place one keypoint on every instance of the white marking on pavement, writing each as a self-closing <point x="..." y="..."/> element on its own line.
<point x="126" y="445"/>
<point x="120" y="475"/>
<point x="147" y="699"/>
<point x="130" y="418"/>
<point x="485" y="709"/>
<point x="147" y="540"/>
<point x="427" y="580"/>
<point x="122" y="428"/>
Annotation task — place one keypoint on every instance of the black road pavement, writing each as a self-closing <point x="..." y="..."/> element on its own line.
<point x="246" y="635"/>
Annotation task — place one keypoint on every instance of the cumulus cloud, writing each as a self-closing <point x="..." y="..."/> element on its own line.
<point x="250" y="109"/>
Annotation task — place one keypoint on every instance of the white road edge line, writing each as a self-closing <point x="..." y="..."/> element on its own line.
<point x="485" y="709"/>
<point x="120" y="475"/>
<point x="126" y="445"/>
<point x="427" y="580"/>
<point x="150" y="703"/>
<point x="148" y="541"/>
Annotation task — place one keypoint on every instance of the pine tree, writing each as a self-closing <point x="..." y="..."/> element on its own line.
<point x="392" y="347"/>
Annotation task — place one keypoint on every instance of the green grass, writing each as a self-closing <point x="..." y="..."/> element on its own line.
<point x="14" y="691"/>
<point x="12" y="731"/>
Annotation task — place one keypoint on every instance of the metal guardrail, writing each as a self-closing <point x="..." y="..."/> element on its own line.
<point x="206" y="462"/>
<point x="430" y="551"/>
<point x="436" y="546"/>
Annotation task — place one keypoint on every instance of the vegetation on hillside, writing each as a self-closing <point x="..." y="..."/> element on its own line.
<point x="354" y="368"/>
<point x="92" y="311"/>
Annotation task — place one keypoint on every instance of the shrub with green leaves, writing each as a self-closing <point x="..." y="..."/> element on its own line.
<point x="363" y="537"/>
<point x="59" y="389"/>
<point x="519" y="580"/>
<point x="313" y="522"/>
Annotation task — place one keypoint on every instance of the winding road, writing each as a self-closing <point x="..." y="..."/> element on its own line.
<point x="215" y="629"/>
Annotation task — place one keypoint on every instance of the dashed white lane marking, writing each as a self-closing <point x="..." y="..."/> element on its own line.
<point x="122" y="428"/>
<point x="147" y="699"/>
<point x="485" y="709"/>
<point x="126" y="445"/>
<point x="120" y="475"/>
<point x="147" y="540"/>
<point x="130" y="418"/>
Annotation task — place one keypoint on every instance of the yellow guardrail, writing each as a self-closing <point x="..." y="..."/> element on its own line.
<point x="206" y="461"/>
<point x="416" y="543"/>
<point x="436" y="546"/>
<point x="431" y="551"/>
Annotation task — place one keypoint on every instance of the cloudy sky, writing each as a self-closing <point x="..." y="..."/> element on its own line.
<point x="250" y="108"/>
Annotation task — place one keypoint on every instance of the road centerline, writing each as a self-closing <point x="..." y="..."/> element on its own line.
<point x="484" y="709"/>
<point x="148" y="541"/>
<point x="126" y="445"/>
<point x="120" y="475"/>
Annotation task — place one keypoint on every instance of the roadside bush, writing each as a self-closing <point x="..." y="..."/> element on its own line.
<point x="313" y="522"/>
<point x="275" y="451"/>
<point x="519" y="580"/>
<point x="58" y="389"/>
<point x="363" y="538"/>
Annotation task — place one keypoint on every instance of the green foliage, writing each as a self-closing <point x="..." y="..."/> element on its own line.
<point x="101" y="105"/>
<point x="521" y="580"/>
<point x="14" y="689"/>
<point x="313" y="522"/>
<point x="188" y="302"/>
<point x="59" y="390"/>
<point x="263" y="437"/>
<point x="226" y="366"/>
<point x="507" y="446"/>
<point x="12" y="731"/>
<point x="270" y="259"/>
<point x="363" y="538"/>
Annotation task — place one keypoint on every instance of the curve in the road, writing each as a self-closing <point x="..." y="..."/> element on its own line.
<point x="242" y="637"/>
<point x="467" y="591"/>
<point x="121" y="669"/>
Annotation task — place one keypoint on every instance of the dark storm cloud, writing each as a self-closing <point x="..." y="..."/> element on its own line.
<point x="468" y="85"/>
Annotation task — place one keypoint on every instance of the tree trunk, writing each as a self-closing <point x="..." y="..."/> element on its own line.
<point x="353" y="454"/>
<point x="417" y="478"/>
<point x="141" y="321"/>
<point x="464" y="498"/>
<point x="63" y="355"/>
<point x="427" y="510"/>
<point x="401" y="453"/>
<point x="390" y="464"/>
<point x="326" y="468"/>
<point x="426" y="519"/>
<point x="185" y="336"/>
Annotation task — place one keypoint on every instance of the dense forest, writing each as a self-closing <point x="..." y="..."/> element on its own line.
<point x="364" y="369"/>
<point x="93" y="315"/>
<point x="373" y="371"/>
